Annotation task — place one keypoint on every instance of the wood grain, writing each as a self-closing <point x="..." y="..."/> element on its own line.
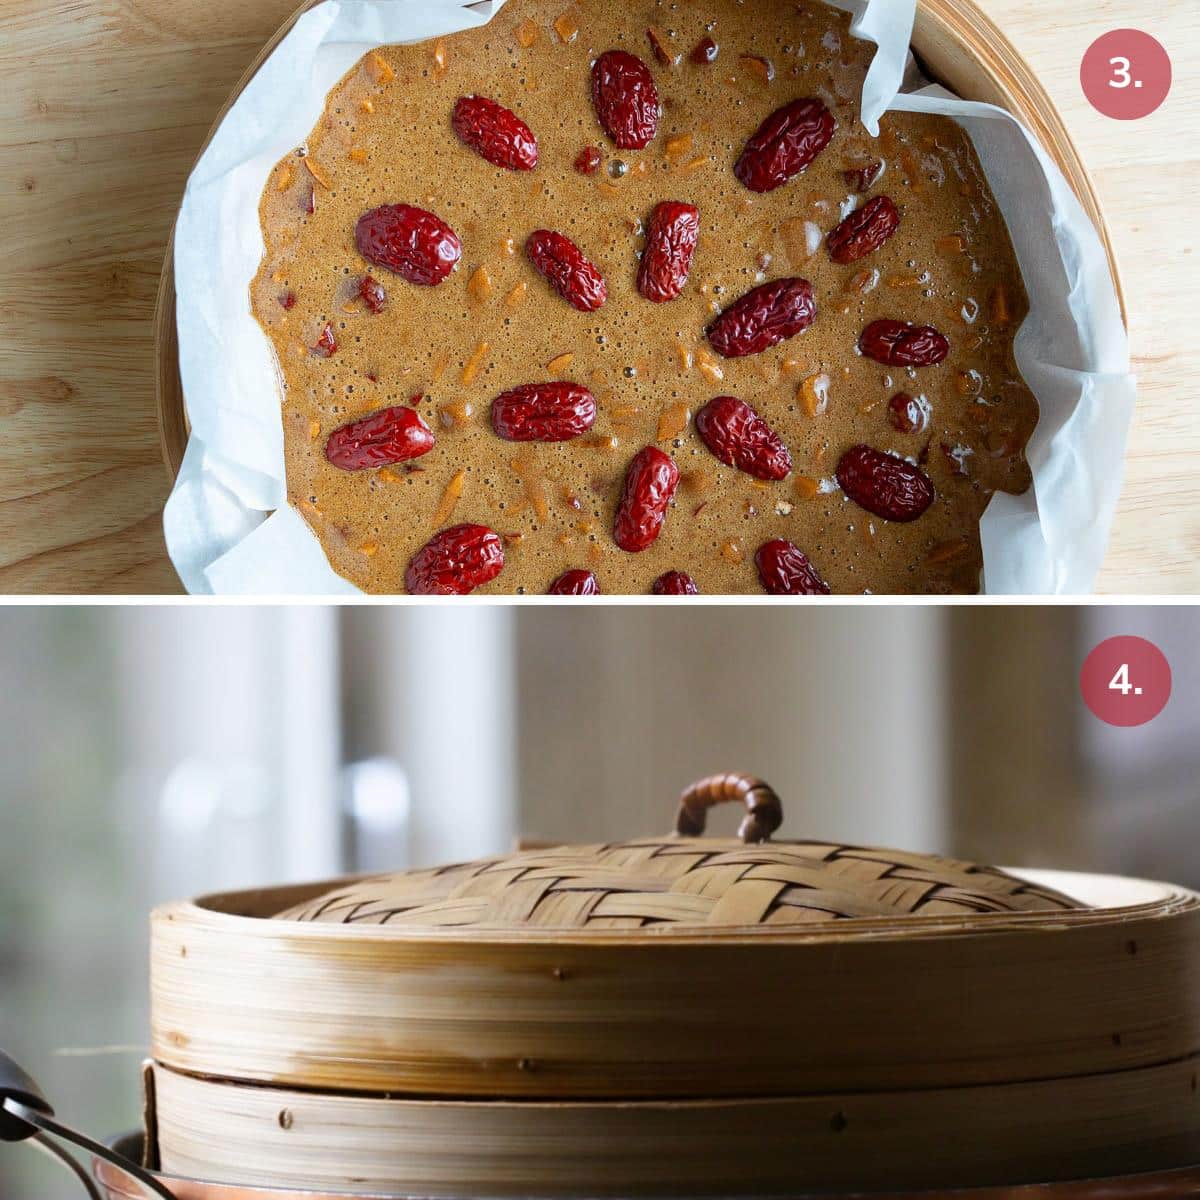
<point x="1147" y="173"/>
<point x="103" y="107"/>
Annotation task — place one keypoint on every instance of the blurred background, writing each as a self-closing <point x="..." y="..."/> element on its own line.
<point x="150" y="753"/>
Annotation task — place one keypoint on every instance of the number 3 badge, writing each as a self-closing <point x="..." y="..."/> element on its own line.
<point x="1125" y="74"/>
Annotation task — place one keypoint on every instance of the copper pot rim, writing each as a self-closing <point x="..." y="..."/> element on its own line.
<point x="1175" y="1184"/>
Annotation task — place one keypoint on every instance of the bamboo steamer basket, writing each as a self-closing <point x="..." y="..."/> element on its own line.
<point x="1122" y="1121"/>
<point x="928" y="1138"/>
<point x="957" y="44"/>
<point x="678" y="1016"/>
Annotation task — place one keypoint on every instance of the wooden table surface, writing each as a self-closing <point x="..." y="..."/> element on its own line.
<point x="104" y="105"/>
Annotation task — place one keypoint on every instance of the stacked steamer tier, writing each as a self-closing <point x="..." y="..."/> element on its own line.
<point x="678" y="1016"/>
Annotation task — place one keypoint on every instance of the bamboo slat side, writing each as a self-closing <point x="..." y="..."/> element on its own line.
<point x="878" y="1003"/>
<point x="1128" y="1121"/>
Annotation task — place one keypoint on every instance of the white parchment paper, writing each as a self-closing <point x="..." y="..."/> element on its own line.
<point x="228" y="526"/>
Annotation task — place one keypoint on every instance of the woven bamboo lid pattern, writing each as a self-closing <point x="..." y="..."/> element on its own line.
<point x="683" y="881"/>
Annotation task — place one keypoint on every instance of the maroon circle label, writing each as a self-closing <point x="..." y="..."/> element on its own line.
<point x="1126" y="681"/>
<point x="1125" y="74"/>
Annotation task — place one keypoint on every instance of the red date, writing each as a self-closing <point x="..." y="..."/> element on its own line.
<point x="740" y="438"/>
<point x="863" y="231"/>
<point x="667" y="257"/>
<point x="884" y="484"/>
<point x="455" y="561"/>
<point x="649" y="485"/>
<point x="763" y="317"/>
<point x="903" y="344"/>
<point x="785" y="144"/>
<point x="625" y="99"/>
<point x="415" y="244"/>
<point x="372" y="293"/>
<point x="566" y="269"/>
<point x="784" y="570"/>
<point x="574" y="583"/>
<point x="587" y="161"/>
<point x="391" y="435"/>
<point x="543" y="412"/>
<point x="675" y="583"/>
<point x="495" y="133"/>
<point x="859" y="179"/>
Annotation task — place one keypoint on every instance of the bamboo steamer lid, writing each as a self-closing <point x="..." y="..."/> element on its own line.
<point x="661" y="884"/>
<point x="652" y="884"/>
<point x="679" y="967"/>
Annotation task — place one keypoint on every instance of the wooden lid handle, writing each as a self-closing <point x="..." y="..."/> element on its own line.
<point x="764" y="812"/>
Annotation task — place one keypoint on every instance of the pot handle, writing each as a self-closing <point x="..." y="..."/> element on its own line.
<point x="764" y="812"/>
<point x="17" y="1084"/>
<point x="26" y="1114"/>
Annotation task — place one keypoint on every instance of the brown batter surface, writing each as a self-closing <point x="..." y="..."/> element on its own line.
<point x="494" y="323"/>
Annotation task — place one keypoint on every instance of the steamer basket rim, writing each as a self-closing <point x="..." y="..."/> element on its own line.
<point x="1144" y="899"/>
